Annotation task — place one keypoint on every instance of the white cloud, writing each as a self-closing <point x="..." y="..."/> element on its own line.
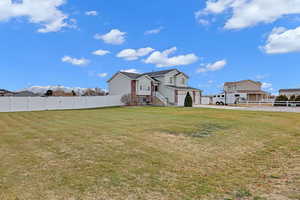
<point x="115" y="37"/>
<point x="130" y="71"/>
<point x="247" y="13"/>
<point x="75" y="61"/>
<point x="102" y="75"/>
<point x="101" y="52"/>
<point x="162" y="59"/>
<point x="282" y="40"/>
<point x="154" y="31"/>
<point x="91" y="13"/>
<point x="261" y="76"/>
<point x="132" y="54"/>
<point x="213" y="66"/>
<point x="43" y="12"/>
<point x="267" y="86"/>
<point x="203" y="22"/>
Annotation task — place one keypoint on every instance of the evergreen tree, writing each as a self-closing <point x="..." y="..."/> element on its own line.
<point x="188" y="102"/>
<point x="49" y="93"/>
<point x="292" y="98"/>
<point x="281" y="100"/>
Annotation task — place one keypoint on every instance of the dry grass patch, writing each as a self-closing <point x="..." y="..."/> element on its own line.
<point x="149" y="153"/>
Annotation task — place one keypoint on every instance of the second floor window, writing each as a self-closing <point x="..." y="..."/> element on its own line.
<point x="171" y="80"/>
<point x="183" y="81"/>
<point x="145" y="88"/>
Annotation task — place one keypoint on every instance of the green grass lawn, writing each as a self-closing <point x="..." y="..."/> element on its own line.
<point x="149" y="153"/>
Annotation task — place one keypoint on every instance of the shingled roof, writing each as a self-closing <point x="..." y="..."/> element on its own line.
<point x="151" y="74"/>
<point x="290" y="90"/>
<point x="159" y="73"/>
<point x="131" y="75"/>
<point x="237" y="82"/>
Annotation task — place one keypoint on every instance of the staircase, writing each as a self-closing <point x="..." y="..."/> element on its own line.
<point x="161" y="98"/>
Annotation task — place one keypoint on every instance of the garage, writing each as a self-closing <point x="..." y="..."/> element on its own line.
<point x="181" y="94"/>
<point x="181" y="97"/>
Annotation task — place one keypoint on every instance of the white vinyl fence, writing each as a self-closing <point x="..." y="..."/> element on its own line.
<point x="15" y="104"/>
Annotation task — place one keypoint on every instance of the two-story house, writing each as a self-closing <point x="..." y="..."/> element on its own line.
<point x="290" y="92"/>
<point x="251" y="89"/>
<point x="170" y="87"/>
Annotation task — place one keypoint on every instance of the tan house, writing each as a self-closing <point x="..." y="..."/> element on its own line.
<point x="169" y="87"/>
<point x="290" y="92"/>
<point x="251" y="88"/>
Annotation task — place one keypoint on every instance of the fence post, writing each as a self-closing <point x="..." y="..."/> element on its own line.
<point x="10" y="104"/>
<point x="28" y="99"/>
<point x="46" y="99"/>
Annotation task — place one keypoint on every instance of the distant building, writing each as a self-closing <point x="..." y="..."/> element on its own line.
<point x="252" y="89"/>
<point x="5" y="93"/>
<point x="290" y="92"/>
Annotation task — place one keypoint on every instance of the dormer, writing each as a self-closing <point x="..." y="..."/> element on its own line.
<point x="181" y="80"/>
<point x="170" y="77"/>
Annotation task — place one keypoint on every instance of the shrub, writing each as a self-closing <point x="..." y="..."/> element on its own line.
<point x="297" y="99"/>
<point x="49" y="93"/>
<point x="292" y="98"/>
<point x="243" y="193"/>
<point x="74" y="93"/>
<point x="126" y="99"/>
<point x="279" y="99"/>
<point x="188" y="102"/>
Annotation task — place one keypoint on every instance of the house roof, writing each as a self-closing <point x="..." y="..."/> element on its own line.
<point x="131" y="75"/>
<point x="242" y="81"/>
<point x="150" y="74"/>
<point x="159" y="73"/>
<point x="183" y="88"/>
<point x="252" y="91"/>
<point x="290" y="90"/>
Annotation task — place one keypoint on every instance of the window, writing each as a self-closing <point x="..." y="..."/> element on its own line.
<point x="183" y="81"/>
<point x="145" y="88"/>
<point x="171" y="80"/>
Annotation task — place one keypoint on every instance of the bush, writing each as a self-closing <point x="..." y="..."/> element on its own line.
<point x="279" y="99"/>
<point x="292" y="98"/>
<point x="49" y="93"/>
<point x="297" y="99"/>
<point x="126" y="99"/>
<point x="188" y="102"/>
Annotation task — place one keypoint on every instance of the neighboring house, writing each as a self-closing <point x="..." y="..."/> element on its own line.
<point x="6" y="93"/>
<point x="251" y="89"/>
<point x="170" y="87"/>
<point x="290" y="92"/>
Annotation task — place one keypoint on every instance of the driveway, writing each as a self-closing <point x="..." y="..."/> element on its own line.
<point x="255" y="108"/>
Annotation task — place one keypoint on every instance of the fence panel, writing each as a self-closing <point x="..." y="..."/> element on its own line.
<point x="14" y="104"/>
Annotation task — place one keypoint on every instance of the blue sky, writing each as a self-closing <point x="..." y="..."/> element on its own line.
<point x="212" y="41"/>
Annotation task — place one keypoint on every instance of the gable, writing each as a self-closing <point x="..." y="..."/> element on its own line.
<point x="117" y="75"/>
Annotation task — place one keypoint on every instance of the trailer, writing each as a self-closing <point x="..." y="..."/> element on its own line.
<point x="229" y="98"/>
